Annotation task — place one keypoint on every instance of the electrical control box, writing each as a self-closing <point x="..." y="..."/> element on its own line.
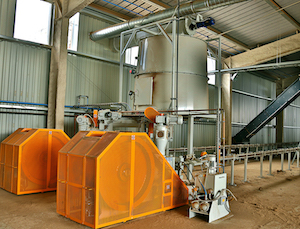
<point x="216" y="182"/>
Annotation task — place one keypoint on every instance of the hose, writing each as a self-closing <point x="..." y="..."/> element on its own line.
<point x="91" y="119"/>
<point x="203" y="187"/>
<point x="187" y="177"/>
<point x="231" y="194"/>
<point x="208" y="201"/>
<point x="227" y="207"/>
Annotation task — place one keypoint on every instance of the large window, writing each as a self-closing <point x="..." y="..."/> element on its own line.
<point x="33" y="21"/>
<point x="211" y="66"/>
<point x="73" y="32"/>
<point x="131" y="55"/>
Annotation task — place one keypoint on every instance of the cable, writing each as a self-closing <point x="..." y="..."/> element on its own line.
<point x="187" y="177"/>
<point x="189" y="171"/>
<point x="91" y="119"/>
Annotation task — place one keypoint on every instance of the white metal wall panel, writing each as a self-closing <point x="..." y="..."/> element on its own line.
<point x="292" y="123"/>
<point x="97" y="79"/>
<point x="24" y="72"/>
<point x="89" y="24"/>
<point x="245" y="108"/>
<point x="204" y="135"/>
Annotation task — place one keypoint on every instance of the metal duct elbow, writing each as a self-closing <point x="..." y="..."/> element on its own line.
<point x="184" y="10"/>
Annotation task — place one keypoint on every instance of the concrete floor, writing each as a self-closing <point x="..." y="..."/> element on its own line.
<point x="271" y="202"/>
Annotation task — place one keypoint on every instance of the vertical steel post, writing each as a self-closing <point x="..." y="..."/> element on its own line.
<point x="190" y="141"/>
<point x="289" y="160"/>
<point x="232" y="173"/>
<point x="224" y="151"/>
<point x="261" y="165"/>
<point x="270" y="163"/>
<point x="240" y="151"/>
<point x="256" y="152"/>
<point x="121" y="69"/>
<point x="174" y="65"/>
<point x="218" y="140"/>
<point x="219" y="78"/>
<point x="219" y="82"/>
<point x="282" y="160"/>
<point x="297" y="152"/>
<point x="245" y="166"/>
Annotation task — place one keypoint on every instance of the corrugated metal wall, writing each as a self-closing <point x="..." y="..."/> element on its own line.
<point x="245" y="108"/>
<point x="24" y="74"/>
<point x="292" y="123"/>
<point x="204" y="133"/>
<point x="7" y="17"/>
<point x="97" y="79"/>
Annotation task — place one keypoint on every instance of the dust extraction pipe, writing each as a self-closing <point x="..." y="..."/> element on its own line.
<point x="184" y="10"/>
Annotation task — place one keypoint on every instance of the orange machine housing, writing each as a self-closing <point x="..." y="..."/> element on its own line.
<point x="28" y="160"/>
<point x="106" y="178"/>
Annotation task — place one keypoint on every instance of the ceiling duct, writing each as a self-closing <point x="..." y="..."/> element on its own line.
<point x="184" y="10"/>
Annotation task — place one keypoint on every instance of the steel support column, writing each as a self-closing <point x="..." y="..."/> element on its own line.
<point x="190" y="141"/>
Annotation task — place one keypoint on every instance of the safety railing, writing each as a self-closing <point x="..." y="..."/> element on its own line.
<point x="232" y="153"/>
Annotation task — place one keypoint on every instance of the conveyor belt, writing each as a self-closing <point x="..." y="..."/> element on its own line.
<point x="271" y="111"/>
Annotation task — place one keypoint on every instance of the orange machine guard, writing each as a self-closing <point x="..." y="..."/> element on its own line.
<point x="28" y="160"/>
<point x="106" y="178"/>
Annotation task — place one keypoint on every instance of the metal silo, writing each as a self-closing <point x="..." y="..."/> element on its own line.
<point x="154" y="73"/>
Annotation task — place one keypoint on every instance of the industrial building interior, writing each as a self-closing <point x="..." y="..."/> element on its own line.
<point x="149" y="113"/>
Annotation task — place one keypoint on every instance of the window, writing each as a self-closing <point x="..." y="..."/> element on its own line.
<point x="73" y="32"/>
<point x="131" y="55"/>
<point x="33" y="21"/>
<point x="211" y="66"/>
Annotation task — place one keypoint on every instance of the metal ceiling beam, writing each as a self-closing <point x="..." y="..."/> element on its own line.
<point x="159" y="3"/>
<point x="259" y="67"/>
<point x="231" y="39"/>
<point x="284" y="14"/>
<point x="109" y="11"/>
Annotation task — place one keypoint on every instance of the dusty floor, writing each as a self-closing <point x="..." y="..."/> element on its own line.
<point x="271" y="202"/>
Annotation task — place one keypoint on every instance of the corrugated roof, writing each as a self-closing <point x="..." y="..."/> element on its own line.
<point x="129" y="7"/>
<point x="251" y="23"/>
<point x="293" y="10"/>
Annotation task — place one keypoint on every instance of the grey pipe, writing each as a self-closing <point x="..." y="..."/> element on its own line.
<point x="184" y="10"/>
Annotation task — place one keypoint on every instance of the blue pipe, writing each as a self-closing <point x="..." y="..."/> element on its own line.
<point x="37" y="104"/>
<point x="15" y="102"/>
